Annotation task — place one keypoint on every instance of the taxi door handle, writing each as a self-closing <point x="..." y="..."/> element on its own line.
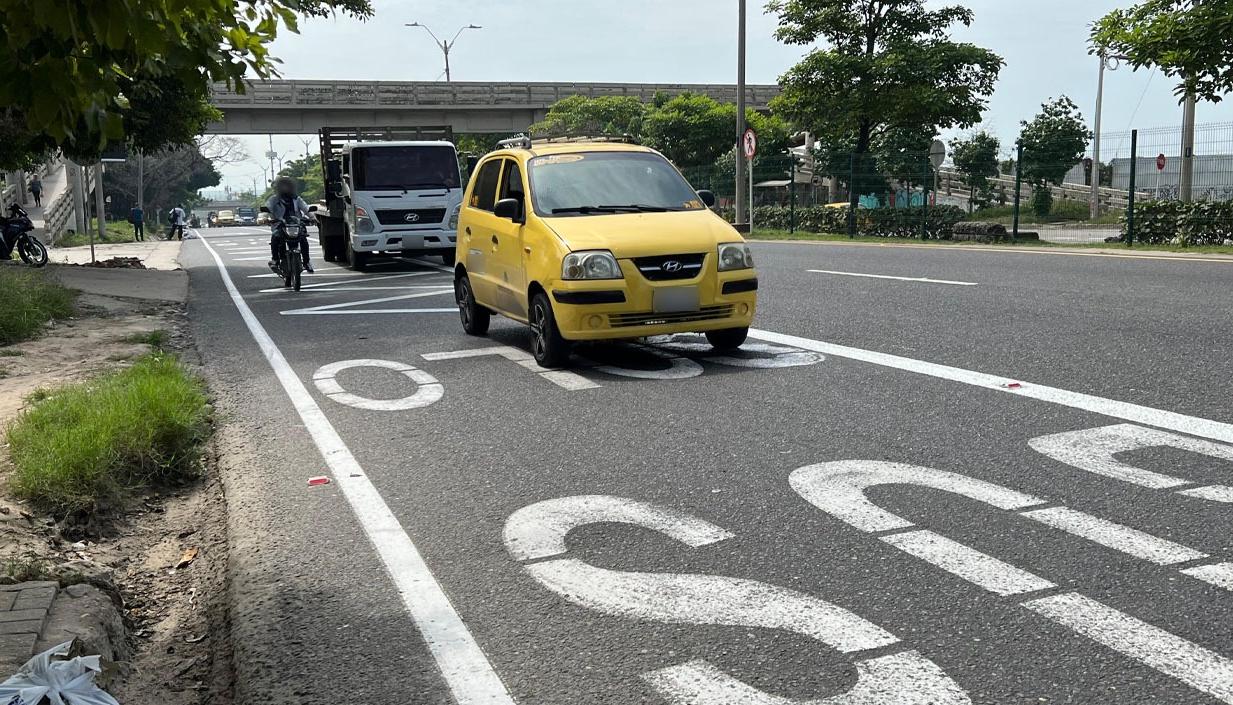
<point x="495" y="241"/>
<point x="526" y="250"/>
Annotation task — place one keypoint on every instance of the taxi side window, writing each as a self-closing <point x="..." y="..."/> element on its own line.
<point x="484" y="196"/>
<point x="511" y="182"/>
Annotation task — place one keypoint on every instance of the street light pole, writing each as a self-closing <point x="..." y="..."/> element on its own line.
<point x="740" y="116"/>
<point x="1186" y="187"/>
<point x="1109" y="63"/>
<point x="445" y="47"/>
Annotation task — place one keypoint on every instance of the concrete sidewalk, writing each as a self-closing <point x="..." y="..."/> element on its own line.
<point x="154" y="254"/>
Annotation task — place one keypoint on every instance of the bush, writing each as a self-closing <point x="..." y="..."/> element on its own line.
<point x="876" y="222"/>
<point x="86" y="446"/>
<point x="979" y="231"/>
<point x="1042" y="201"/>
<point x="28" y="300"/>
<point x="1200" y="223"/>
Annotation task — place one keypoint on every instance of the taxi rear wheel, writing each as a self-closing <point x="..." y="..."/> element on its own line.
<point x="549" y="348"/>
<point x="728" y="338"/>
<point x="475" y="318"/>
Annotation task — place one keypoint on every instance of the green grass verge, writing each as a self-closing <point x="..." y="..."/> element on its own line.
<point x="156" y="339"/>
<point x="28" y="300"/>
<point x="1064" y="211"/>
<point x="1115" y="246"/>
<point x="87" y="446"/>
<point x="118" y="231"/>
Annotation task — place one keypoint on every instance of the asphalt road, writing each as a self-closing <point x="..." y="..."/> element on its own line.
<point x="827" y="517"/>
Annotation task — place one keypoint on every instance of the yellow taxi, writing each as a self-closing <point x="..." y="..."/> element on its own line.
<point x="597" y="241"/>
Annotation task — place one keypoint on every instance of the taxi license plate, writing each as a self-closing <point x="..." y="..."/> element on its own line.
<point x="676" y="299"/>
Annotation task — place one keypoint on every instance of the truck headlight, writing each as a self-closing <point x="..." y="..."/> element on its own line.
<point x="362" y="222"/>
<point x="592" y="264"/>
<point x="453" y="221"/>
<point x="735" y="255"/>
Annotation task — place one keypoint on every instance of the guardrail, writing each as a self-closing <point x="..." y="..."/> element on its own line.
<point x="953" y="183"/>
<point x="293" y="93"/>
<point x="57" y="216"/>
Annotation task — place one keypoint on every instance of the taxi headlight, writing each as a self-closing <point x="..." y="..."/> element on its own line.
<point x="593" y="264"/>
<point x="735" y="255"/>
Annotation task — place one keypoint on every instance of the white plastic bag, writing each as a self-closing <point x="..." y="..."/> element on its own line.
<point x="68" y="682"/>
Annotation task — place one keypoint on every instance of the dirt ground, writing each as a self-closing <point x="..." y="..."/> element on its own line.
<point x="175" y="616"/>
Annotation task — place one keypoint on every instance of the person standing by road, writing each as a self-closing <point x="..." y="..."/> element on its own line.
<point x="137" y="216"/>
<point x="36" y="190"/>
<point x="177" y="223"/>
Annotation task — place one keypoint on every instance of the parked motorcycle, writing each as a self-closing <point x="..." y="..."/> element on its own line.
<point x="290" y="263"/>
<point x="15" y="233"/>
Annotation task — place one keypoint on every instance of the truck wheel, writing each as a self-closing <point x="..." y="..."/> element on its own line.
<point x="475" y="318"/>
<point x="327" y="249"/>
<point x="549" y="348"/>
<point x="728" y="338"/>
<point x="449" y="258"/>
<point x="356" y="260"/>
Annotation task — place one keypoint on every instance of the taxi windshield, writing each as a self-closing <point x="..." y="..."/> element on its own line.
<point x="603" y="183"/>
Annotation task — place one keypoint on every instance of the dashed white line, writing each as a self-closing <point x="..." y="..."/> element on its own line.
<point x="923" y="280"/>
<point x="978" y="568"/>
<point x="1130" y="541"/>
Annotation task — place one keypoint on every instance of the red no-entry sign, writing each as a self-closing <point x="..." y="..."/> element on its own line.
<point x="1160" y="162"/>
<point x="750" y="144"/>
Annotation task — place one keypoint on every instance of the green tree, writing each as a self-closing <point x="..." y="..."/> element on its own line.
<point x="887" y="64"/>
<point x="691" y="129"/>
<point x="1053" y="142"/>
<point x="1186" y="39"/>
<point x="80" y="75"/>
<point x="976" y="159"/>
<point x="310" y="182"/>
<point x="172" y="176"/>
<point x="610" y="115"/>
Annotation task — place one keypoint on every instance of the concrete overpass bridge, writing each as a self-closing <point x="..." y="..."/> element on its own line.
<point x="302" y="107"/>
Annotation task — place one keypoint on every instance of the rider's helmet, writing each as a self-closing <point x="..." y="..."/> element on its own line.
<point x="285" y="186"/>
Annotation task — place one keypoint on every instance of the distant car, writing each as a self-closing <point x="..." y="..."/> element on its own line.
<point x="225" y="218"/>
<point x="246" y="215"/>
<point x="263" y="218"/>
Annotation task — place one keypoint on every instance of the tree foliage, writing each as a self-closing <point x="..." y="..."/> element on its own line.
<point x="976" y="158"/>
<point x="613" y="115"/>
<point x="1053" y="143"/>
<point x="172" y="176"/>
<point x="691" y="129"/>
<point x="1186" y="39"/>
<point x="80" y="75"/>
<point x="888" y="74"/>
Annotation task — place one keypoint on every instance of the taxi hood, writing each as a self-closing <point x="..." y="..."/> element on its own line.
<point x="629" y="235"/>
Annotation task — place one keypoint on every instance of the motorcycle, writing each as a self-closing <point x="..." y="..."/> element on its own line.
<point x="15" y="233"/>
<point x="290" y="263"/>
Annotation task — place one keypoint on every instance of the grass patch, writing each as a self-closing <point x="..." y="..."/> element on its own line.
<point x="156" y="339"/>
<point x="10" y="352"/>
<point x="1114" y="246"/>
<point x="88" y="446"/>
<point x="28" y="300"/>
<point x="118" y="231"/>
<point x="25" y="569"/>
<point x="1063" y="211"/>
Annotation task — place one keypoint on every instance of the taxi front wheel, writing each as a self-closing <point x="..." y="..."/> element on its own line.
<point x="549" y="348"/>
<point x="728" y="338"/>
<point x="475" y="318"/>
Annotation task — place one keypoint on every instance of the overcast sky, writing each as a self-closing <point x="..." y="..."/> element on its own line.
<point x="1044" y="44"/>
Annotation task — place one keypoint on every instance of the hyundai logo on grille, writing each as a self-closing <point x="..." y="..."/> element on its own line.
<point x="412" y="217"/>
<point x="671" y="266"/>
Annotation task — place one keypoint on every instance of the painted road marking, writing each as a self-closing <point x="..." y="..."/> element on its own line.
<point x="429" y="389"/>
<point x="973" y="566"/>
<point x="376" y="278"/>
<point x="539" y="530"/>
<point x="1120" y="538"/>
<point x="468" y="673"/>
<point x="1220" y="574"/>
<point x="1093" y="450"/>
<point x="561" y="378"/>
<point x="1190" y="663"/>
<point x="1173" y="421"/>
<point x="350" y="305"/>
<point x="886" y="276"/>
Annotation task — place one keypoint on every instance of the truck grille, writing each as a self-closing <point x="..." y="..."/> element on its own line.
<point x="411" y="216"/>
<point x="707" y="313"/>
<point x="677" y="266"/>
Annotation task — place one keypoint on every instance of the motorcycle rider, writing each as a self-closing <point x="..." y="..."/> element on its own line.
<point x="286" y="202"/>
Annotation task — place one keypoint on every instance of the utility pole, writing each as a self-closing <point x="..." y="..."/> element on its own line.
<point x="1188" y="117"/>
<point x="141" y="179"/>
<point x="1094" y="205"/>
<point x="271" y="154"/>
<point x="100" y="207"/>
<point x="740" y="116"/>
<point x="445" y="47"/>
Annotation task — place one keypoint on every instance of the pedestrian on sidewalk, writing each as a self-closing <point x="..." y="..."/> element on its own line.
<point x="36" y="190"/>
<point x="137" y="217"/>
<point x="176" y="216"/>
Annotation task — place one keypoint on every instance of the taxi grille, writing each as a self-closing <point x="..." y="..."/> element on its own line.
<point x="412" y="216"/>
<point x="669" y="267"/>
<point x="707" y="313"/>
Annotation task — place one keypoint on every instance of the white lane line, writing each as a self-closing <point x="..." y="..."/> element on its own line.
<point x="407" y="287"/>
<point x="562" y="378"/>
<point x="427" y="263"/>
<point x="350" y="304"/>
<point x="973" y="566"/>
<point x="887" y="276"/>
<point x="251" y="259"/>
<point x="371" y="312"/>
<point x="1220" y="574"/>
<point x="318" y="273"/>
<point x="1168" y="653"/>
<point x="375" y="279"/>
<point x="1146" y="415"/>
<point x="1115" y="536"/>
<point x="466" y="670"/>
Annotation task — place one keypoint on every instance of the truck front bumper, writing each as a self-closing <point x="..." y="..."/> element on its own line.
<point x="404" y="241"/>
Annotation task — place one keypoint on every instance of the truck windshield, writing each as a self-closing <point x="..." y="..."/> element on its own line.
<point x="404" y="168"/>
<point x="600" y="183"/>
<point x="247" y="212"/>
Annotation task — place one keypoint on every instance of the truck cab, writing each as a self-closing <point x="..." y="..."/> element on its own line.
<point x="390" y="198"/>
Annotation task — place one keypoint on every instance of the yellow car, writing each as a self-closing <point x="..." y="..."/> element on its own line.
<point x="597" y="241"/>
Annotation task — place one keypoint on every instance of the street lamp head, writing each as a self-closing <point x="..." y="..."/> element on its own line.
<point x="414" y="24"/>
<point x="474" y="26"/>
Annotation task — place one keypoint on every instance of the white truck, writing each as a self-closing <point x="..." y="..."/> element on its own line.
<point x="388" y="191"/>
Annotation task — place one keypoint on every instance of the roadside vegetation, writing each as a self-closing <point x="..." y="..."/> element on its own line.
<point x="87" y="447"/>
<point x="30" y="298"/>
<point x="118" y="231"/>
<point x="801" y="235"/>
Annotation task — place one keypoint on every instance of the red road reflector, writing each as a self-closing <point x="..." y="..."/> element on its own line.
<point x="316" y="481"/>
<point x="1014" y="385"/>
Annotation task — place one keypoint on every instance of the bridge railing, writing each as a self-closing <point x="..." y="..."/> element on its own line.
<point x="409" y="94"/>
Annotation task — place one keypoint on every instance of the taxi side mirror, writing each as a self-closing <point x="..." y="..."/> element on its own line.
<point x="708" y="198"/>
<point x="509" y="209"/>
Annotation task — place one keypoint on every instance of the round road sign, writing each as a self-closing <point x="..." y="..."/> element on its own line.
<point x="937" y="153"/>
<point x="750" y="144"/>
<point x="1161" y="160"/>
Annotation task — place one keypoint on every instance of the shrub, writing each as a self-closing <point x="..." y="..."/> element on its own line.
<point x="1042" y="201"/>
<point x="1200" y="223"/>
<point x="979" y="231"/>
<point x="28" y="300"/>
<point x="876" y="222"/>
<point x="86" y="446"/>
